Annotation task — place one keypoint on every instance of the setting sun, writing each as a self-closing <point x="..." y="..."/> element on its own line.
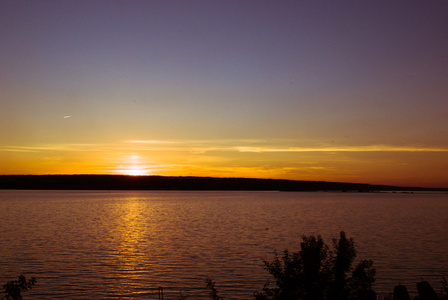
<point x="134" y="172"/>
<point x="133" y="165"/>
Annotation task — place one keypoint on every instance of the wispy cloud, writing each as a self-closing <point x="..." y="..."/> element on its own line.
<point x="155" y="142"/>
<point x="261" y="146"/>
<point x="50" y="147"/>
<point x="205" y="146"/>
<point x="379" y="148"/>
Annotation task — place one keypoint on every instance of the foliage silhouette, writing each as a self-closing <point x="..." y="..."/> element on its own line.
<point x="363" y="276"/>
<point x="444" y="288"/>
<point x="401" y="293"/>
<point x="425" y="291"/>
<point x="315" y="273"/>
<point x="212" y="288"/>
<point x="14" y="288"/>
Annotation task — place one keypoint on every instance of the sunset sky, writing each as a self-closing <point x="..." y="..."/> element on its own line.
<point x="353" y="91"/>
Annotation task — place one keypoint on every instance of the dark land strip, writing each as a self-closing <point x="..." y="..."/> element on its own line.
<point x="126" y="182"/>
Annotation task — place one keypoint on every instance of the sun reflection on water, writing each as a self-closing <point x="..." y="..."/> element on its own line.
<point x="133" y="251"/>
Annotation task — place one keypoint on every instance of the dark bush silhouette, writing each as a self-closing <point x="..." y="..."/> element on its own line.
<point x="425" y="291"/>
<point x="13" y="289"/>
<point x="213" y="291"/>
<point x="401" y="293"/>
<point x="345" y="254"/>
<point x="363" y="277"/>
<point x="444" y="289"/>
<point x="315" y="273"/>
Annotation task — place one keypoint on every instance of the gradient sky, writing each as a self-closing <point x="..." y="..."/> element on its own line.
<point x="353" y="91"/>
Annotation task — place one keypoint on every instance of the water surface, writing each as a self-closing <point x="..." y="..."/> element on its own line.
<point x="125" y="244"/>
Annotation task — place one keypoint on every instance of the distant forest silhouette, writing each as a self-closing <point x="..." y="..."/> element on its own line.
<point x="127" y="182"/>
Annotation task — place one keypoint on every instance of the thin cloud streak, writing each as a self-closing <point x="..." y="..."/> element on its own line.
<point x="148" y="142"/>
<point x="202" y="147"/>
<point x="52" y="147"/>
<point x="342" y="149"/>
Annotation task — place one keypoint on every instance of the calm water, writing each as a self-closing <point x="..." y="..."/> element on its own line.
<point x="110" y="245"/>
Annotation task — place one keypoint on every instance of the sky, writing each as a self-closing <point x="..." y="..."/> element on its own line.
<point x="351" y="91"/>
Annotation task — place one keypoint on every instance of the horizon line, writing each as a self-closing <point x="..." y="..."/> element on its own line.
<point x="244" y="178"/>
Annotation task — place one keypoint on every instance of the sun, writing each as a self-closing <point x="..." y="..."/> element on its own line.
<point x="133" y="166"/>
<point x="135" y="172"/>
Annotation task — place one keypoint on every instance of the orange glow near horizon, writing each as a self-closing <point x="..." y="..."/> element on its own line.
<point x="375" y="165"/>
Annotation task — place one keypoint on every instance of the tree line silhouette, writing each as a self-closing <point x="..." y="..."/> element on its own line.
<point x="187" y="183"/>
